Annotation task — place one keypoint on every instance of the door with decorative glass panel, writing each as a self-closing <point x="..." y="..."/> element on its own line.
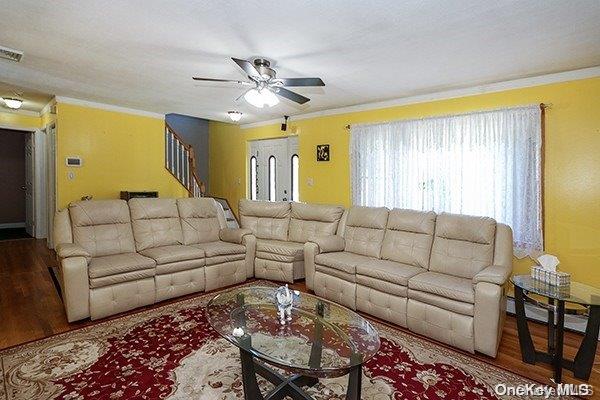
<point x="273" y="167"/>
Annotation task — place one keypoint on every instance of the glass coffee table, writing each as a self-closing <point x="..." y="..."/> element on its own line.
<point x="322" y="340"/>
<point x="577" y="293"/>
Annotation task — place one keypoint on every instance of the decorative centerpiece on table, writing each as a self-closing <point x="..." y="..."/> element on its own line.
<point x="546" y="271"/>
<point x="285" y="298"/>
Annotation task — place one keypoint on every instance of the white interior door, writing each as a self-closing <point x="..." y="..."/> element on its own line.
<point x="28" y="188"/>
<point x="270" y="176"/>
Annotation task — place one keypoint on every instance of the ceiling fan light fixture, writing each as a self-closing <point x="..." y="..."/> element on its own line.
<point x="235" y="116"/>
<point x="12" y="103"/>
<point x="261" y="98"/>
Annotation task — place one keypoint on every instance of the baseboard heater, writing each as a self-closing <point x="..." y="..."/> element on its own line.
<point x="573" y="323"/>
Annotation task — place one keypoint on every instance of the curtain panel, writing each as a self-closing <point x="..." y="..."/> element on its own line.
<point x="483" y="163"/>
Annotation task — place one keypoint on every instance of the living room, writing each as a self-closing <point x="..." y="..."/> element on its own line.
<point x="374" y="200"/>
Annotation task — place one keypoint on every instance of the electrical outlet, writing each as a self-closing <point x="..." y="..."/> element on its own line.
<point x="310" y="181"/>
<point x="239" y="181"/>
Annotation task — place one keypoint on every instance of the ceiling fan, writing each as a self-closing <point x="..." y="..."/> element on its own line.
<point x="265" y="85"/>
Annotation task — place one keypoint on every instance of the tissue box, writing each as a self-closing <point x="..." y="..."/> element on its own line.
<point x="553" y="278"/>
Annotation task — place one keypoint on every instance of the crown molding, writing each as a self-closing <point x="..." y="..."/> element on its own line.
<point x="445" y="95"/>
<point x="48" y="106"/>
<point x="107" y="107"/>
<point x="20" y="112"/>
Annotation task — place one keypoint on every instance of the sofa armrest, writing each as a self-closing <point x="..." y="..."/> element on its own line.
<point x="496" y="274"/>
<point x="329" y="243"/>
<point x="67" y="250"/>
<point x="74" y="284"/>
<point x="234" y="235"/>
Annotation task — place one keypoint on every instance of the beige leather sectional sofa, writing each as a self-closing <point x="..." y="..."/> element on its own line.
<point x="442" y="276"/>
<point x="115" y="256"/>
<point x="281" y="230"/>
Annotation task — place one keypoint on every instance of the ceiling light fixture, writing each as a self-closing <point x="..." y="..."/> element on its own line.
<point x="12" y="103"/>
<point x="235" y="115"/>
<point x="261" y="98"/>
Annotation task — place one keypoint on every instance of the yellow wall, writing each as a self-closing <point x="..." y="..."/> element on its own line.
<point x="572" y="178"/>
<point x="119" y="151"/>
<point x="15" y="120"/>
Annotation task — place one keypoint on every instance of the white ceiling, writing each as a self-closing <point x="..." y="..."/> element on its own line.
<point x="142" y="53"/>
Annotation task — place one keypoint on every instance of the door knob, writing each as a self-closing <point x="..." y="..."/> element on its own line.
<point x="23" y="187"/>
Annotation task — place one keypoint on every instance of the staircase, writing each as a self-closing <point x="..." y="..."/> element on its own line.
<point x="181" y="163"/>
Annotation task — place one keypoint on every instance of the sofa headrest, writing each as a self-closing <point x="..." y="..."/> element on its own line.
<point x="316" y="212"/>
<point x="412" y="221"/>
<point x="99" y="212"/>
<point x="466" y="227"/>
<point x="368" y="217"/>
<point x="197" y="207"/>
<point x="153" y="208"/>
<point x="264" y="209"/>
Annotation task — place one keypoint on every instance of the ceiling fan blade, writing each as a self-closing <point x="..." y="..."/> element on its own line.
<point x="288" y="94"/>
<point x="301" y="81"/>
<point x="221" y="80"/>
<point x="247" y="66"/>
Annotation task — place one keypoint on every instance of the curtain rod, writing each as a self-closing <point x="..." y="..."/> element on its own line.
<point x="543" y="106"/>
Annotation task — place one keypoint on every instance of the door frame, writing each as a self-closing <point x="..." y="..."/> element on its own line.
<point x="50" y="181"/>
<point x="39" y="184"/>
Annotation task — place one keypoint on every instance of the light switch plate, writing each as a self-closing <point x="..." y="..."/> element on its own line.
<point x="310" y="181"/>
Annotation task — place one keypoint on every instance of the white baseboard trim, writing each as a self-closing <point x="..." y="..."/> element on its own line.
<point x="12" y="225"/>
<point x="573" y="322"/>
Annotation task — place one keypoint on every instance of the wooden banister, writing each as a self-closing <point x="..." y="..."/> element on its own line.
<point x="180" y="161"/>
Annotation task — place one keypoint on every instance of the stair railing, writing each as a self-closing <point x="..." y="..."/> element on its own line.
<point x="180" y="161"/>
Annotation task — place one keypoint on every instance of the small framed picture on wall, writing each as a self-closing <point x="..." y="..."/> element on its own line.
<point x="322" y="152"/>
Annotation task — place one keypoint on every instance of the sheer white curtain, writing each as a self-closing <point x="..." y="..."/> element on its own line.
<point x="484" y="163"/>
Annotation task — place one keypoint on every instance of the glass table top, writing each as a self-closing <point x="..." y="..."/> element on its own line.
<point x="576" y="292"/>
<point x="330" y="343"/>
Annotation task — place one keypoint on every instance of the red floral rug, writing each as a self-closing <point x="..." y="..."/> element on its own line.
<point x="171" y="352"/>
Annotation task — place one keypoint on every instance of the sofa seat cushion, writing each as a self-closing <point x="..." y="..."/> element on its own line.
<point x="290" y="251"/>
<point x="389" y="271"/>
<point x="118" y="264"/>
<point x="343" y="261"/>
<point x="119" y="268"/>
<point x="448" y="286"/>
<point x="173" y="253"/>
<point x="220" y="248"/>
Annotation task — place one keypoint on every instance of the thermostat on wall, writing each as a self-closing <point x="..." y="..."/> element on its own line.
<point x="74" y="161"/>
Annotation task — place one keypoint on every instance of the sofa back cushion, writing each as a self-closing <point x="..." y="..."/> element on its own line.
<point x="199" y="220"/>
<point x="102" y="227"/>
<point x="309" y="220"/>
<point x="364" y="230"/>
<point x="408" y="237"/>
<point x="266" y="219"/>
<point x="463" y="245"/>
<point x="155" y="223"/>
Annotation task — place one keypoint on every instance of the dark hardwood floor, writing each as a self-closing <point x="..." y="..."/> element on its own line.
<point x="30" y="309"/>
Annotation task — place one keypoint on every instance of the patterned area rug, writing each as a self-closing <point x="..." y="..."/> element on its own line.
<point x="171" y="352"/>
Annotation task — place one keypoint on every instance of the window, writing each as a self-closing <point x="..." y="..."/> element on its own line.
<point x="272" y="192"/>
<point x="483" y="163"/>
<point x="295" y="169"/>
<point x="253" y="180"/>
